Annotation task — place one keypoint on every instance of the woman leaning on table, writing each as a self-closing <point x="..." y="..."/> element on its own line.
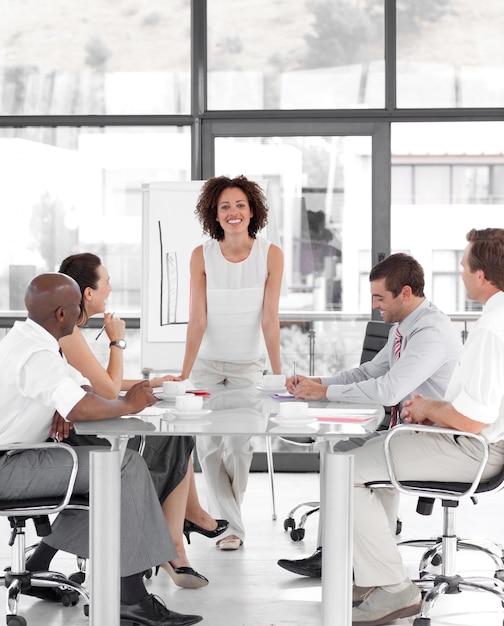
<point x="168" y="458"/>
<point x="235" y="281"/>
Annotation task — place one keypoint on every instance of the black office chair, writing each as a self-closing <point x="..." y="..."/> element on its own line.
<point x="375" y="338"/>
<point x="16" y="578"/>
<point x="443" y="550"/>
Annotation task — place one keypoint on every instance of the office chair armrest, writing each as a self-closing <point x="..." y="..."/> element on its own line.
<point x="437" y="489"/>
<point x="44" y="508"/>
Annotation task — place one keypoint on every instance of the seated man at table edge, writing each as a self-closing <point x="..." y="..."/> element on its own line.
<point x="430" y="348"/>
<point x="42" y="395"/>
<point x="473" y="403"/>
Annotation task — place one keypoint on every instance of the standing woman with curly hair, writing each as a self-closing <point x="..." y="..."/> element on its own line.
<point x="235" y="280"/>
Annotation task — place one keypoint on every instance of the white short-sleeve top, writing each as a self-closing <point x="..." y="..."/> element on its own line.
<point x="235" y="296"/>
<point x="35" y="382"/>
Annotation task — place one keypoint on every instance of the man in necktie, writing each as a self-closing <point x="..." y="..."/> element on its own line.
<point x="422" y="350"/>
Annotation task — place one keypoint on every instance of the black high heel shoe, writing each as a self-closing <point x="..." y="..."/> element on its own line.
<point x="189" y="528"/>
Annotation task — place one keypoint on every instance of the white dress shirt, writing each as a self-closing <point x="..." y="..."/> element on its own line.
<point x="35" y="382"/>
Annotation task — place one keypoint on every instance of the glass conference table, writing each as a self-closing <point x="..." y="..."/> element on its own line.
<point x="230" y="411"/>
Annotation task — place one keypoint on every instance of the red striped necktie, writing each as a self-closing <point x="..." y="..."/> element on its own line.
<point x="394" y="413"/>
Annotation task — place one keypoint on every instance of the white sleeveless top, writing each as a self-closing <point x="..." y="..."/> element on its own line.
<point x="235" y="296"/>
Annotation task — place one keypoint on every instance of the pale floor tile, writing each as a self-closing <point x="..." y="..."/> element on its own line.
<point x="247" y="588"/>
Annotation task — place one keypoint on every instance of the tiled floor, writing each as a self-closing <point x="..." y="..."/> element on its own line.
<point x="247" y="588"/>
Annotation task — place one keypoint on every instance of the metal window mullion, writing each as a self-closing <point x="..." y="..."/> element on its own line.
<point x="390" y="55"/>
<point x="198" y="82"/>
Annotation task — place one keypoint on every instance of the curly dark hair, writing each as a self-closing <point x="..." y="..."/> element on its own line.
<point x="83" y="268"/>
<point x="206" y="207"/>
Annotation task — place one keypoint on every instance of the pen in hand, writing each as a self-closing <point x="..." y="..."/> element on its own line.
<point x="102" y="329"/>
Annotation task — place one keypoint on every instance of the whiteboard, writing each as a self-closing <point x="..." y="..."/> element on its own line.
<point x="170" y="232"/>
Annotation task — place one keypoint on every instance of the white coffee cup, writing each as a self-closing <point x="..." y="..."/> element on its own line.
<point x="293" y="410"/>
<point x="188" y="402"/>
<point x="273" y="381"/>
<point x="174" y="387"/>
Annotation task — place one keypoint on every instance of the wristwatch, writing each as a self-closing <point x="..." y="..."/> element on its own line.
<point x="120" y="343"/>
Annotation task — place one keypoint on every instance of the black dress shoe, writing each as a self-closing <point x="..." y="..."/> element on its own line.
<point x="311" y="566"/>
<point x="151" y="612"/>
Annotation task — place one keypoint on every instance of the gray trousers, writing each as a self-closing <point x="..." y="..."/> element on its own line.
<point x="145" y="538"/>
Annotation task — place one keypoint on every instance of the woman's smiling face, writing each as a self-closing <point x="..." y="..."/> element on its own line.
<point x="233" y="210"/>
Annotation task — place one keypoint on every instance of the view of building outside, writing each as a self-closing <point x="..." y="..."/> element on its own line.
<point x="446" y="179"/>
<point x="94" y="57"/>
<point x="450" y="53"/>
<point x="325" y="54"/>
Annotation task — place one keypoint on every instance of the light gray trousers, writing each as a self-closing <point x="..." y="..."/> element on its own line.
<point x="225" y="461"/>
<point x="418" y="456"/>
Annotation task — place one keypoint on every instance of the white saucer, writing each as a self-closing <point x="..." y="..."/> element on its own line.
<point x="285" y="421"/>
<point x="151" y="410"/>
<point x="189" y="415"/>
<point x="271" y="389"/>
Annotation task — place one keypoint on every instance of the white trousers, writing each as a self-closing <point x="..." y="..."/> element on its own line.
<point x="418" y="456"/>
<point x="225" y="461"/>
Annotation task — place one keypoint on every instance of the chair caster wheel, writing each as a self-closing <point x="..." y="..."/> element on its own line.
<point x="77" y="577"/>
<point x="436" y="560"/>
<point x="421" y="621"/>
<point x="70" y="598"/>
<point x="86" y="610"/>
<point x="15" y="620"/>
<point x="297" y="534"/>
<point x="289" y="523"/>
<point x="147" y="574"/>
<point x="398" y="527"/>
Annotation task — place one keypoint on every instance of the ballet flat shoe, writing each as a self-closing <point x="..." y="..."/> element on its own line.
<point x="229" y="543"/>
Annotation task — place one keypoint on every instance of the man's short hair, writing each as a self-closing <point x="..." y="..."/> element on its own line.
<point x="487" y="254"/>
<point x="400" y="270"/>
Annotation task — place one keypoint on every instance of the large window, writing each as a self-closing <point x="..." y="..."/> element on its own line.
<point x="296" y="54"/>
<point x="79" y="189"/>
<point x="94" y="57"/>
<point x="320" y="195"/>
<point x="450" y="53"/>
<point x="98" y="97"/>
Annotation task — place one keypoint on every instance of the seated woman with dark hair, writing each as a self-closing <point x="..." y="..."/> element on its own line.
<point x="168" y="458"/>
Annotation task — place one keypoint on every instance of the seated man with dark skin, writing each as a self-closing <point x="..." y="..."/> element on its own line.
<point x="42" y="395"/>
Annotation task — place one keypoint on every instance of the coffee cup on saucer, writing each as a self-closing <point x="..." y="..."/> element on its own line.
<point x="273" y="381"/>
